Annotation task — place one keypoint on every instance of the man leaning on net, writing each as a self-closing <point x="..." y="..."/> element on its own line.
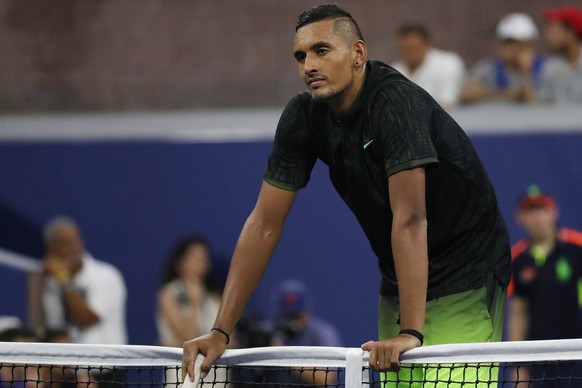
<point x="411" y="177"/>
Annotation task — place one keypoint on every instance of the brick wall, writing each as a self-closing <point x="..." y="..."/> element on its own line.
<point x="185" y="54"/>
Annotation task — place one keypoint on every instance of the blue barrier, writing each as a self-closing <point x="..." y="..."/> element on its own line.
<point x="133" y="198"/>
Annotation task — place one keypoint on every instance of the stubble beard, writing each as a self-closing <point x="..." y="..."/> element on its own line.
<point x="328" y="95"/>
<point x="323" y="96"/>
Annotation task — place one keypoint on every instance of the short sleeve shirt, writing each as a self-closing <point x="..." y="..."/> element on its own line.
<point x="317" y="333"/>
<point x="552" y="285"/>
<point x="494" y="74"/>
<point x="103" y="288"/>
<point x="441" y="74"/>
<point x="561" y="82"/>
<point x="394" y="125"/>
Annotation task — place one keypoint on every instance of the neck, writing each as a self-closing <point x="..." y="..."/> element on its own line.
<point x="546" y="242"/>
<point x="342" y="103"/>
<point x="76" y="270"/>
<point x="412" y="68"/>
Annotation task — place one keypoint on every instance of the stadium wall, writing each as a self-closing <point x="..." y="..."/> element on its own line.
<point x="134" y="197"/>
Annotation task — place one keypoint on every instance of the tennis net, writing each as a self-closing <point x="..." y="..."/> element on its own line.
<point x="505" y="364"/>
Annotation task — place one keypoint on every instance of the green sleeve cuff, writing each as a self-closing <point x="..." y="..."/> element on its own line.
<point x="281" y="185"/>
<point x="411" y="164"/>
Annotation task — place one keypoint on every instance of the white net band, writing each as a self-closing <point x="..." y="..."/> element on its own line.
<point x="66" y="354"/>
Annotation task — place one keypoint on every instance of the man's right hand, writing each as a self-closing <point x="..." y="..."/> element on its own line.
<point x="211" y="345"/>
<point x="56" y="266"/>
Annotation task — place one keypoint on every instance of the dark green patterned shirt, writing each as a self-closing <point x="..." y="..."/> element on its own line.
<point x="394" y="126"/>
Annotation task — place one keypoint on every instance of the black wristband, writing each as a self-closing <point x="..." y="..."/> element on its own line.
<point x="218" y="329"/>
<point x="413" y="333"/>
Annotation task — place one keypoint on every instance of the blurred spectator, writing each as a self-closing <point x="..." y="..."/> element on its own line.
<point x="187" y="307"/>
<point x="296" y="325"/>
<point x="66" y="376"/>
<point x="9" y="322"/>
<point x="85" y="295"/>
<point x="546" y="287"/>
<point x="516" y="73"/>
<point x="252" y="331"/>
<point x="57" y="336"/>
<point x="17" y="376"/>
<point x="18" y="334"/>
<point x="547" y="274"/>
<point x="562" y="76"/>
<point x="440" y="73"/>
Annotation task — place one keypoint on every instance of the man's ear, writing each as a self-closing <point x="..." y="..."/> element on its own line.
<point x="360" y="54"/>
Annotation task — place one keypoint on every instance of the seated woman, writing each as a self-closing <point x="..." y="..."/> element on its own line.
<point x="186" y="306"/>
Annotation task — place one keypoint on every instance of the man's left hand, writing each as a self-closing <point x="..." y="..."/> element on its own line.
<point x="385" y="354"/>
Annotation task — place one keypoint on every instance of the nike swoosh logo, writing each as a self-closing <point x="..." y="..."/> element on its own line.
<point x="368" y="144"/>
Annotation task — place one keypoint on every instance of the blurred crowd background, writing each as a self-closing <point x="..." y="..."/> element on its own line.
<point x="76" y="55"/>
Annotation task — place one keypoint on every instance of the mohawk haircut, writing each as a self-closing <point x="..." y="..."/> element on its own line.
<point x="329" y="11"/>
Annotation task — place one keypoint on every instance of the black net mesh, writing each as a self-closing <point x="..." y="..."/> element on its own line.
<point x="531" y="374"/>
<point x="34" y="375"/>
<point x="540" y="374"/>
<point x="72" y="365"/>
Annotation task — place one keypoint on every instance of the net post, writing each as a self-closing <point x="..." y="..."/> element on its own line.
<point x="354" y="370"/>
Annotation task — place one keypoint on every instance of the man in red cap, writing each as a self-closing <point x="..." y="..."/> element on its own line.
<point x="562" y="76"/>
<point x="546" y="289"/>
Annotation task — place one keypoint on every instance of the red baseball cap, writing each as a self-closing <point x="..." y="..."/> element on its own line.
<point x="568" y="14"/>
<point x="292" y="298"/>
<point x="535" y="198"/>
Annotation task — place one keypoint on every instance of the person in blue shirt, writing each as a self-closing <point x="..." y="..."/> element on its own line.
<point x="296" y="325"/>
<point x="514" y="75"/>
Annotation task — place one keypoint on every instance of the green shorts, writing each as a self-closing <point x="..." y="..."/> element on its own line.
<point x="470" y="316"/>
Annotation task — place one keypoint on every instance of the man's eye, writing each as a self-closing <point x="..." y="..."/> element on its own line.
<point x="322" y="51"/>
<point x="300" y="57"/>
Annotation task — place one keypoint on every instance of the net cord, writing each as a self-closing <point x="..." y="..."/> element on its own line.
<point x="324" y="357"/>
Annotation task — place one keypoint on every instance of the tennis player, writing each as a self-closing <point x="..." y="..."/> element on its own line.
<point x="409" y="174"/>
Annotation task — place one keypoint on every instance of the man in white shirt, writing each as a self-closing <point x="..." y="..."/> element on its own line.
<point x="440" y="73"/>
<point x="82" y="294"/>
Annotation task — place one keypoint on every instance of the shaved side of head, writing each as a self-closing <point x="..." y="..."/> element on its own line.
<point x="344" y="23"/>
<point x="347" y="29"/>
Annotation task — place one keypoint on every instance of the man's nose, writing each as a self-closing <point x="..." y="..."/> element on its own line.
<point x="310" y="65"/>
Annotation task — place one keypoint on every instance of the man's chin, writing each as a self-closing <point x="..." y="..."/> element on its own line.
<point x="317" y="95"/>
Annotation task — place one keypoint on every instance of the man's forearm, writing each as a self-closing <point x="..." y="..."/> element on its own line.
<point x="78" y="309"/>
<point x="410" y="250"/>
<point x="253" y="251"/>
<point x="518" y="320"/>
